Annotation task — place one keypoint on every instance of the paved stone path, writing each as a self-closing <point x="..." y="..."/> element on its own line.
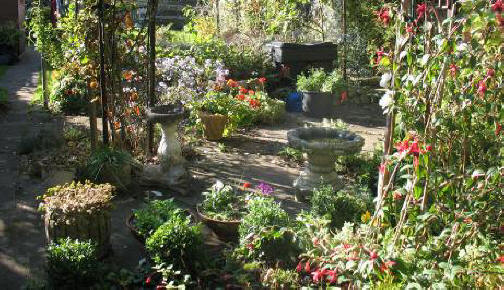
<point x="21" y="231"/>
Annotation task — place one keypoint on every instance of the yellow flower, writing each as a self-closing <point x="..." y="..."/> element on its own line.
<point x="365" y="217"/>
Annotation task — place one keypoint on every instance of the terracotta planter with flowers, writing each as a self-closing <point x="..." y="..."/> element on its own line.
<point x="213" y="125"/>
<point x="225" y="230"/>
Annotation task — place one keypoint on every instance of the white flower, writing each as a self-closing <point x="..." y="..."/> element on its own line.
<point x="218" y="185"/>
<point x="386" y="101"/>
<point x="385" y="80"/>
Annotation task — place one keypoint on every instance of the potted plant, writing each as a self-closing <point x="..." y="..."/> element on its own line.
<point x="143" y="222"/>
<point x="299" y="56"/>
<point x="319" y="90"/>
<point x="222" y="211"/>
<point x="213" y="112"/>
<point x="79" y="211"/>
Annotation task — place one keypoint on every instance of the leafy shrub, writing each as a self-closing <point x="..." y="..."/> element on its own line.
<point x="9" y="35"/>
<point x="156" y="213"/>
<point x="317" y="80"/>
<point x="73" y="198"/>
<point x="176" y="242"/>
<point x="46" y="138"/>
<point x="363" y="167"/>
<point x="222" y="203"/>
<point x="68" y="95"/>
<point x="108" y="165"/>
<point x="291" y="154"/>
<point x="262" y="212"/>
<point x="72" y="263"/>
<point x="280" y="279"/>
<point x="343" y="206"/>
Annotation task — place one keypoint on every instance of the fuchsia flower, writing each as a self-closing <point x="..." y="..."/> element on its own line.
<point x="428" y="148"/>
<point x="317" y="275"/>
<point x="299" y="267"/>
<point x="384" y="16"/>
<point x="498" y="6"/>
<point x="307" y="267"/>
<point x="373" y="255"/>
<point x="262" y="80"/>
<point x="380" y="53"/>
<point x="482" y="88"/>
<point x="420" y="10"/>
<point x="410" y="28"/>
<point x="333" y="275"/>
<point x="453" y="69"/>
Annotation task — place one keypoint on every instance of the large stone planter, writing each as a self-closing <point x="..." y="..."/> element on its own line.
<point x="213" y="125"/>
<point x="171" y="170"/>
<point x="322" y="146"/>
<point x="317" y="104"/>
<point x="79" y="211"/>
<point x="300" y="56"/>
<point x="95" y="227"/>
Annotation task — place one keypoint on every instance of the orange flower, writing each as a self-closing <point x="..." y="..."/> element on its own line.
<point x="137" y="110"/>
<point x="246" y="185"/>
<point x="231" y="83"/>
<point x="128" y="75"/>
<point x="254" y="103"/>
<point x="117" y="125"/>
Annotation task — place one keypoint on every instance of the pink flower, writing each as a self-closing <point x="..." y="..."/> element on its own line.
<point x="482" y="88"/>
<point x="332" y="275"/>
<point x="148" y="280"/>
<point x="498" y="6"/>
<point x="373" y="255"/>
<point x="317" y="275"/>
<point x="262" y="80"/>
<point x="384" y="16"/>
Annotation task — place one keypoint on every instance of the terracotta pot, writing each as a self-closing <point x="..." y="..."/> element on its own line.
<point x="225" y="230"/>
<point x="213" y="125"/>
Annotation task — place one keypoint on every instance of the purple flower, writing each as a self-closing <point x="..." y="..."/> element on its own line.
<point x="265" y="188"/>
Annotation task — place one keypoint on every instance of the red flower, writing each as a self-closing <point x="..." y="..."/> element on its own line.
<point x="148" y="280"/>
<point x="410" y="28"/>
<point x="490" y="72"/>
<point x="254" y="103"/>
<point x="262" y="80"/>
<point x="243" y="90"/>
<point x="397" y="195"/>
<point x="240" y="97"/>
<point x="420" y="10"/>
<point x="307" y="267"/>
<point x="498" y="6"/>
<point x="498" y="128"/>
<point x="251" y="92"/>
<point x="299" y="267"/>
<point x="373" y="255"/>
<point x="347" y="246"/>
<point x="501" y="259"/>
<point x="384" y="16"/>
<point x="402" y="146"/>
<point x="380" y="53"/>
<point x="344" y="96"/>
<point x="482" y="88"/>
<point x="246" y="185"/>
<point x="453" y="69"/>
<point x="428" y="148"/>
<point x="387" y="265"/>
<point x="500" y="20"/>
<point x="414" y="149"/>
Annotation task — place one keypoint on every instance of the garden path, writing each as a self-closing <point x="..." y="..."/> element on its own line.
<point x="21" y="230"/>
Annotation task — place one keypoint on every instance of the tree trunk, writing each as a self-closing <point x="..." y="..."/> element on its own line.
<point x="103" y="88"/>
<point x="152" y="9"/>
<point x="93" y="128"/>
<point x="344" y="24"/>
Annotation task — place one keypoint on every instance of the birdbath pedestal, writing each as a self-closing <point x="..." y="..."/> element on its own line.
<point x="322" y="146"/>
<point x="171" y="170"/>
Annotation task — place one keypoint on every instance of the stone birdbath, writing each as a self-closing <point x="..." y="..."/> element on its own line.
<point x="171" y="170"/>
<point x="322" y="146"/>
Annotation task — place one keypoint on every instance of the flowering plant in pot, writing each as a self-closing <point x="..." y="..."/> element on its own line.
<point x="222" y="210"/>
<point x="319" y="90"/>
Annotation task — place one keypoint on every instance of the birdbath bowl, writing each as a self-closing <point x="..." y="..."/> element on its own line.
<point x="172" y="164"/>
<point x="322" y="146"/>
